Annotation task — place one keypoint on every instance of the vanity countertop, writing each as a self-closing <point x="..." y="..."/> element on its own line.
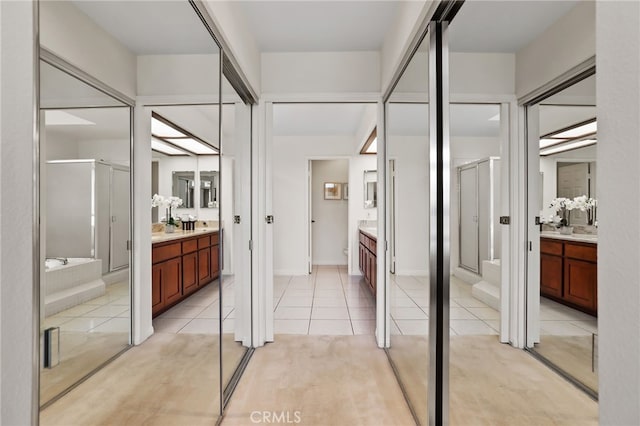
<point x="161" y="237"/>
<point x="582" y="238"/>
<point x="370" y="231"/>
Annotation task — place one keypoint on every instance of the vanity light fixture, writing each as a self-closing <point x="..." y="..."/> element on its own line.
<point x="567" y="146"/>
<point x="371" y="145"/>
<point x="179" y="139"/>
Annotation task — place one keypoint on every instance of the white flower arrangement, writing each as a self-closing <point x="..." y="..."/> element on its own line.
<point x="563" y="207"/>
<point x="167" y="202"/>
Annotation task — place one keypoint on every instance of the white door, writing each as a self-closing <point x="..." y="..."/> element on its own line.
<point x="120" y="194"/>
<point x="469" y="218"/>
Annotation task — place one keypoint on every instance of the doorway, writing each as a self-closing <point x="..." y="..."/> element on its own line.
<point x="319" y="175"/>
<point x="329" y="212"/>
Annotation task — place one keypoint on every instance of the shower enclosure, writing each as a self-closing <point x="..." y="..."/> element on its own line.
<point x="95" y="218"/>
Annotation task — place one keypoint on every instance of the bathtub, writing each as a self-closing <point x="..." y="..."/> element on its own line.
<point x="65" y="286"/>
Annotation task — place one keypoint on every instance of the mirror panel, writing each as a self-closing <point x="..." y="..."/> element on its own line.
<point x="564" y="329"/>
<point x="156" y="67"/>
<point x="407" y="139"/>
<point x="370" y="189"/>
<point x="209" y="189"/>
<point x="85" y="195"/>
<point x="234" y="182"/>
<point x="184" y="188"/>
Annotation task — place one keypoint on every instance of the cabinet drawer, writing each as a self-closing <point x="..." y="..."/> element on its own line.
<point x="162" y="253"/>
<point x="203" y="242"/>
<point x="581" y="252"/>
<point x="372" y="245"/>
<point x="551" y="247"/>
<point x="189" y="246"/>
<point x="215" y="238"/>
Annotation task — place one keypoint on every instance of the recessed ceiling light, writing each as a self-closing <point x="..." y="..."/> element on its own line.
<point x="580" y="131"/>
<point x="165" y="148"/>
<point x="568" y="146"/>
<point x="163" y="130"/>
<point x="193" y="145"/>
<point x="495" y="117"/>
<point x="550" y="141"/>
<point x="54" y="117"/>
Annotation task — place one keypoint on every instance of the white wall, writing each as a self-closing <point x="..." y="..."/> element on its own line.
<point x="290" y="229"/>
<point x="470" y="74"/>
<point x="330" y="230"/>
<point x="95" y="52"/>
<point x="565" y="44"/>
<point x="481" y="74"/>
<point x="618" y="94"/>
<point x="465" y="150"/>
<point x="17" y="347"/>
<point x="115" y="151"/>
<point x="411" y="155"/>
<point x="179" y="75"/>
<point x="57" y="147"/>
<point x="320" y="72"/>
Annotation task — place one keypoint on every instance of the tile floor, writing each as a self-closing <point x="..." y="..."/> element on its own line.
<point x="108" y="313"/>
<point x="200" y="313"/>
<point x="561" y="320"/>
<point x="410" y="308"/>
<point x="325" y="302"/>
<point x="330" y="302"/>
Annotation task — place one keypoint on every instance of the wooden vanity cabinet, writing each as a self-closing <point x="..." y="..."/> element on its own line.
<point x="181" y="267"/>
<point x="368" y="260"/>
<point x="569" y="273"/>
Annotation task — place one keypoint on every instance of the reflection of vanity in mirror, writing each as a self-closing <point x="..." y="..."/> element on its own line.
<point x="183" y="187"/>
<point x="209" y="189"/>
<point x="370" y="189"/>
<point x="568" y="263"/>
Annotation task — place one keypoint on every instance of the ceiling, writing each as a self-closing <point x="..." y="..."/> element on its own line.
<point x="503" y="26"/>
<point x="151" y="27"/>
<point x="110" y="123"/>
<point x="319" y="26"/>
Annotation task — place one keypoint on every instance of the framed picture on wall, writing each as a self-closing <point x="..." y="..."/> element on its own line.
<point x="345" y="191"/>
<point x="332" y="191"/>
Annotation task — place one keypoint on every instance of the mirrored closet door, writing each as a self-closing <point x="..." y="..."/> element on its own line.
<point x="85" y="202"/>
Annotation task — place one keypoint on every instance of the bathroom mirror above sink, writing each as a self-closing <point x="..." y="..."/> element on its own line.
<point x="183" y="188"/>
<point x="370" y="189"/>
<point x="209" y="189"/>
